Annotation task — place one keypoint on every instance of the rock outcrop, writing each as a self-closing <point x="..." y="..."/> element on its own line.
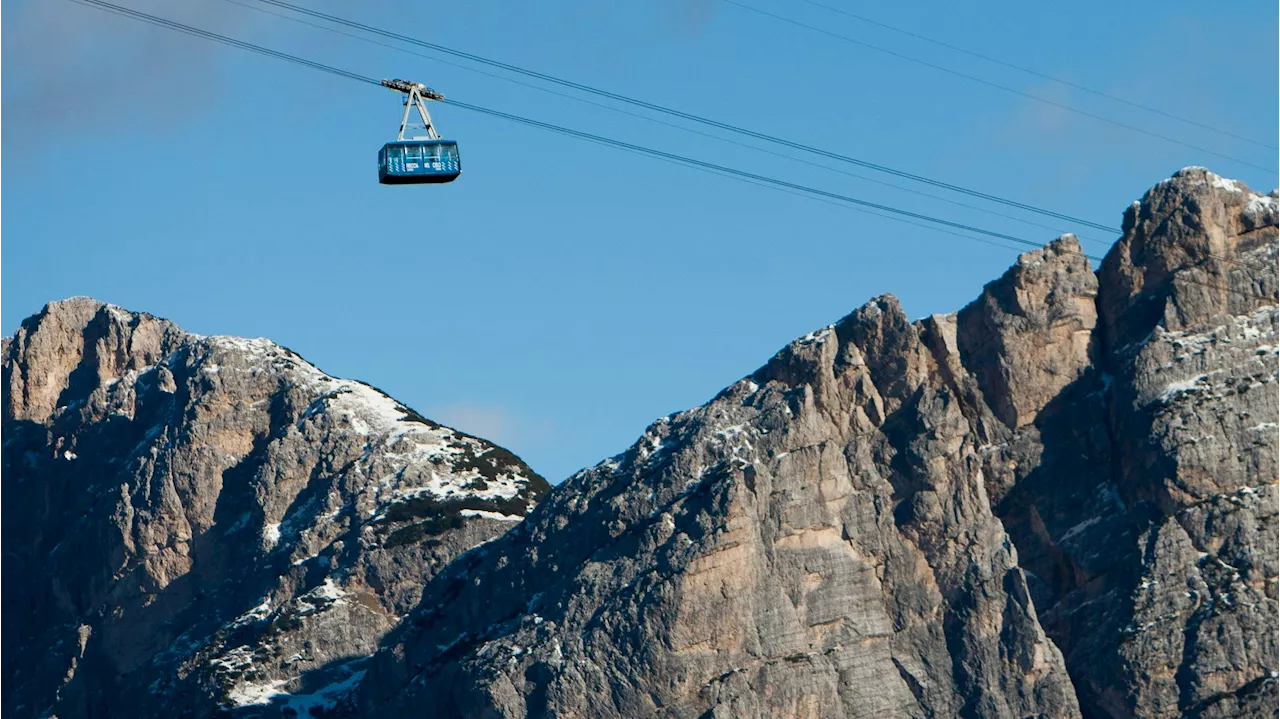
<point x="1154" y="469"/>
<point x="1189" y="327"/>
<point x="200" y="525"/>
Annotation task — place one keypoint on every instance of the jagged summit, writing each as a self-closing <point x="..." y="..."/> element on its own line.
<point x="354" y="406"/>
<point x="1196" y="174"/>
<point x="1256" y="210"/>
<point x="1197" y="246"/>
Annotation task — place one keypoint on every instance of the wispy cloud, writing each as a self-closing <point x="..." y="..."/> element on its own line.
<point x="71" y="66"/>
<point x="1041" y="118"/>
<point x="696" y="15"/>
<point x="496" y="424"/>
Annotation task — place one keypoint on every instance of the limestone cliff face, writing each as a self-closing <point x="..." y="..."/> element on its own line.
<point x="201" y="524"/>
<point x="1142" y="498"/>
<point x="1191" y="342"/>
<point x="1030" y="334"/>
<point x="816" y="541"/>
<point x="1059" y="501"/>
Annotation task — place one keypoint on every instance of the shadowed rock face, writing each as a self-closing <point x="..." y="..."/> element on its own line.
<point x="194" y="524"/>
<point x="1191" y="342"/>
<point x="1059" y="501"/>
<point x="1143" y="498"/>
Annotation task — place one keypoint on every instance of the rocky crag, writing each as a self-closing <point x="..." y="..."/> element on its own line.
<point x="199" y="526"/>
<point x="1060" y="501"/>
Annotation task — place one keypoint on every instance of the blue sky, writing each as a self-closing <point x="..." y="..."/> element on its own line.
<point x="560" y="295"/>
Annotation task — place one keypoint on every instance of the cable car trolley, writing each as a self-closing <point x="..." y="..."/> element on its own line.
<point x="421" y="159"/>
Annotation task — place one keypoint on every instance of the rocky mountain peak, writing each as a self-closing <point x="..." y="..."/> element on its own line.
<point x="872" y="354"/>
<point x="1029" y="335"/>
<point x="107" y="340"/>
<point x="213" y="521"/>
<point x="1196" y="246"/>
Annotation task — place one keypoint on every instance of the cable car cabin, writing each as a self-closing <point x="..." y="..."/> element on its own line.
<point x="407" y="162"/>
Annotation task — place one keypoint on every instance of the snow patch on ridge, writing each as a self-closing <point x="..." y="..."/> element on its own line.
<point x="272" y="693"/>
<point x="490" y="515"/>
<point x="1180" y="387"/>
<point x="817" y="336"/>
<point x="1223" y="183"/>
<point x="1262" y="210"/>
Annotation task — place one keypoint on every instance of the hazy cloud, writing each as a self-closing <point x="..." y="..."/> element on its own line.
<point x="71" y="66"/>
<point x="696" y="14"/>
<point x="685" y="17"/>
<point x="1042" y="118"/>
<point x="496" y="424"/>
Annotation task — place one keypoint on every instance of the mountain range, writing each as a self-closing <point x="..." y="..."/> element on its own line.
<point x="1058" y="501"/>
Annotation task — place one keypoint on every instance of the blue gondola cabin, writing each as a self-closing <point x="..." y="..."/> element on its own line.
<point x="409" y="162"/>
